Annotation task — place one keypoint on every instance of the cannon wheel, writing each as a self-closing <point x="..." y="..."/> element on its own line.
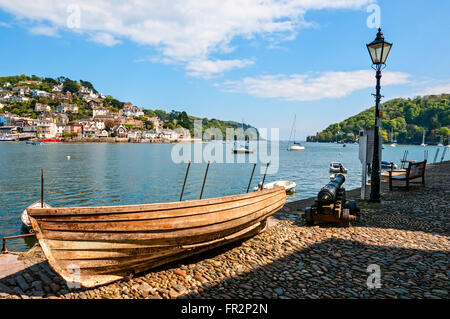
<point x="353" y="209"/>
<point x="345" y="218"/>
<point x="308" y="217"/>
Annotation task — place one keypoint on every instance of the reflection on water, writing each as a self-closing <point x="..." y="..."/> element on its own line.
<point x="112" y="174"/>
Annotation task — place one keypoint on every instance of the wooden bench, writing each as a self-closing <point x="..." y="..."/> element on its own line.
<point x="414" y="170"/>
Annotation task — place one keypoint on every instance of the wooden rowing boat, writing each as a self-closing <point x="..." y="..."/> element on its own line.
<point x="92" y="246"/>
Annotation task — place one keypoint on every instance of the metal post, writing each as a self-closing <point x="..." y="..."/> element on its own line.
<point x="42" y="188"/>
<point x="264" y="178"/>
<point x="4" y="250"/>
<point x="443" y="154"/>
<point x="204" y="180"/>
<point x="185" y="178"/>
<point x="375" y="176"/>
<point x="405" y="154"/>
<point x="251" y="177"/>
<point x="436" y="155"/>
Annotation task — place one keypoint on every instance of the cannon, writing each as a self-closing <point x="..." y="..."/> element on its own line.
<point x="331" y="205"/>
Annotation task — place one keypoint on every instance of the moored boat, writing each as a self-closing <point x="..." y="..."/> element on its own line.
<point x="92" y="246"/>
<point x="34" y="143"/>
<point x="7" y="138"/>
<point x="24" y="216"/>
<point x="288" y="186"/>
<point x="296" y="146"/>
<point x="242" y="149"/>
<point x="388" y="165"/>
<point x="51" y="140"/>
<point x="336" y="167"/>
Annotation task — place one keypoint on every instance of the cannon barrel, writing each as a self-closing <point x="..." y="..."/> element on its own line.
<point x="327" y="194"/>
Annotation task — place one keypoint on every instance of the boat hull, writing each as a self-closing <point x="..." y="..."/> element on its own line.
<point x="296" y="148"/>
<point x="92" y="246"/>
<point x="242" y="150"/>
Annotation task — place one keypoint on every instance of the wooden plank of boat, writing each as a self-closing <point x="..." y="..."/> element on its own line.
<point x="92" y="246"/>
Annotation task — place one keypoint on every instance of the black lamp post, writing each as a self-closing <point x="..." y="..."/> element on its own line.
<point x="379" y="51"/>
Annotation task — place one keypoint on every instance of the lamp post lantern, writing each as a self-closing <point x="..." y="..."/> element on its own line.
<point x="379" y="51"/>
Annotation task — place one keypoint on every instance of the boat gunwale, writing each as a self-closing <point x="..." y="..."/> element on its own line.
<point x="52" y="218"/>
<point x="141" y="208"/>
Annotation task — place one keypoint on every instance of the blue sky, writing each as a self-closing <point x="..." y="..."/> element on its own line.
<point x="258" y="61"/>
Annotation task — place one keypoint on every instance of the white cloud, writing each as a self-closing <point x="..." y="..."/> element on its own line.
<point x="310" y="87"/>
<point x="208" y="68"/>
<point x="184" y="31"/>
<point x="49" y="31"/>
<point x="104" y="38"/>
<point x="434" y="90"/>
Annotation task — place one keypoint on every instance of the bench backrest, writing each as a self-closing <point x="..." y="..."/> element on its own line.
<point x="416" y="169"/>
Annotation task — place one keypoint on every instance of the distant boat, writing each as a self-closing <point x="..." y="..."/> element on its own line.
<point x="7" y="138"/>
<point x="393" y="141"/>
<point x="296" y="146"/>
<point x="288" y="186"/>
<point x="423" y="140"/>
<point x="34" y="143"/>
<point x="51" y="140"/>
<point x="336" y="167"/>
<point x="388" y="165"/>
<point x="242" y="149"/>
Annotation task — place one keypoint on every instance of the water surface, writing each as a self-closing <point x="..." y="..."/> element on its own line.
<point x="113" y="174"/>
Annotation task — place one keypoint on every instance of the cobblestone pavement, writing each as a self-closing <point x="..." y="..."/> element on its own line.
<point x="407" y="236"/>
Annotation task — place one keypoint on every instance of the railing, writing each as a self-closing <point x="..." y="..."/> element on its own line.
<point x="4" y="250"/>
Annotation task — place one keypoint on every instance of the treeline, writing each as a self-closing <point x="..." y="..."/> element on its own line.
<point x="175" y="119"/>
<point x="403" y="120"/>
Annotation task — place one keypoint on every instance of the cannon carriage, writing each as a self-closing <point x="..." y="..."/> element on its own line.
<point x="331" y="205"/>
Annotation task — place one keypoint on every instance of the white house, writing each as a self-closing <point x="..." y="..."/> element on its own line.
<point x="121" y="131"/>
<point x="134" y="135"/>
<point x="149" y="135"/>
<point x="39" y="107"/>
<point x="169" y="134"/>
<point x="103" y="133"/>
<point x="46" y="129"/>
<point x="40" y="93"/>
<point x="58" y="87"/>
<point x="1" y="106"/>
<point x="67" y="108"/>
<point x="60" y="128"/>
<point x="99" y="112"/>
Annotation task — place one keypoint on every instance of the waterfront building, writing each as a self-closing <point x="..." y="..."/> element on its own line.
<point x="46" y="129"/>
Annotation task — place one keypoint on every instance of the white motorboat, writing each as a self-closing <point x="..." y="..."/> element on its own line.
<point x="244" y="150"/>
<point x="296" y="146"/>
<point x="336" y="167"/>
<point x="288" y="186"/>
<point x="24" y="216"/>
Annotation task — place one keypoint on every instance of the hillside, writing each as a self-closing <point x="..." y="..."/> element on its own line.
<point x="407" y="119"/>
<point x="19" y="95"/>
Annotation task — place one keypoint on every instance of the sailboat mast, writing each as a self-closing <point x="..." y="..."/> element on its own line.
<point x="295" y="117"/>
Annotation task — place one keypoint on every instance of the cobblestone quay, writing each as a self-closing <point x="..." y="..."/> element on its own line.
<point x="406" y="236"/>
